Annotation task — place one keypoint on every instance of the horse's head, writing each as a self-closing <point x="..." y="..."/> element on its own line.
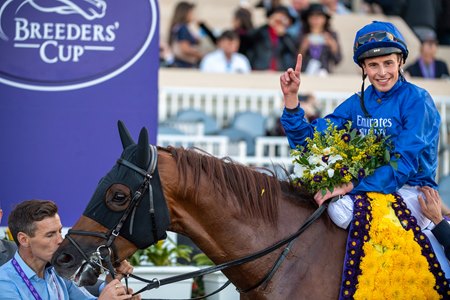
<point x="126" y="212"/>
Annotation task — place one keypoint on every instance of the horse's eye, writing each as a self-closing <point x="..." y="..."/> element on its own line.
<point x="118" y="197"/>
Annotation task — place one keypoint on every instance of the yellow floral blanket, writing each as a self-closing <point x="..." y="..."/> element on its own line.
<point x="387" y="255"/>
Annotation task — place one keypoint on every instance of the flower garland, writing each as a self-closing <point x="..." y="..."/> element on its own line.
<point x="387" y="256"/>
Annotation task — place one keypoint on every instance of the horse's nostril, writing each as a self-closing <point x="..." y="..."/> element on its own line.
<point x="64" y="259"/>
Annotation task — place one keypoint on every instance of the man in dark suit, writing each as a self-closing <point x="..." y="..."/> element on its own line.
<point x="7" y="248"/>
<point x="427" y="65"/>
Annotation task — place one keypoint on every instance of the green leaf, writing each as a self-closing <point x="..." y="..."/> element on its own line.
<point x="394" y="164"/>
<point x="303" y="160"/>
<point x="202" y="260"/>
<point x="323" y="192"/>
<point x="387" y="156"/>
<point x="352" y="134"/>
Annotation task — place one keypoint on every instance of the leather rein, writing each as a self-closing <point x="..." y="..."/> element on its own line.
<point x="96" y="259"/>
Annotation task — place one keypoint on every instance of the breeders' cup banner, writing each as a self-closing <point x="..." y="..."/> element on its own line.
<point x="69" y="69"/>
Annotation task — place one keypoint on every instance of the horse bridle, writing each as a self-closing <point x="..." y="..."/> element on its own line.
<point x="96" y="258"/>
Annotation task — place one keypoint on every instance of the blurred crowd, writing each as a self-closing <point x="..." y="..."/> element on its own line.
<point x="304" y="27"/>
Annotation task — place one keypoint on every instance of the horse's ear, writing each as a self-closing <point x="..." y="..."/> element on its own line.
<point x="143" y="149"/>
<point x="125" y="136"/>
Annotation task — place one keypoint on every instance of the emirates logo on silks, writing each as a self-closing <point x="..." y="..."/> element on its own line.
<point x="70" y="44"/>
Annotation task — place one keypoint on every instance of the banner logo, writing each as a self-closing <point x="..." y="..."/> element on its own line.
<point x="70" y="44"/>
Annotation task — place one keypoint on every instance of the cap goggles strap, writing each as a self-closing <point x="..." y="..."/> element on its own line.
<point x="377" y="36"/>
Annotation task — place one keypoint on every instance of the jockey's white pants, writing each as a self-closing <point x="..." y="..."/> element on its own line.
<point x="341" y="212"/>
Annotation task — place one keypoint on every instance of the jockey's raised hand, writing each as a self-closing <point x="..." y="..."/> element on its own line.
<point x="290" y="84"/>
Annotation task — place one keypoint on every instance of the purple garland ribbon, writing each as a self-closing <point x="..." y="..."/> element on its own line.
<point x="359" y="227"/>
<point x="25" y="279"/>
<point x="409" y="222"/>
<point x="359" y="233"/>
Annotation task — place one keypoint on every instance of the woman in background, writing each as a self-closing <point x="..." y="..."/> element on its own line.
<point x="182" y="39"/>
<point x="242" y="24"/>
<point x="319" y="45"/>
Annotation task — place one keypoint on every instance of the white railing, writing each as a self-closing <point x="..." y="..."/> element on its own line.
<point x="443" y="105"/>
<point x="272" y="146"/>
<point x="189" y="128"/>
<point x="217" y="145"/>
<point x="268" y="150"/>
<point x="220" y="103"/>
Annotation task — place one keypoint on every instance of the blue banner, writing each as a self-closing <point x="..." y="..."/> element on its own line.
<point x="68" y="71"/>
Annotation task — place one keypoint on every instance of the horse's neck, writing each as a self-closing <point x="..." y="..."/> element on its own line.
<point x="220" y="229"/>
<point x="317" y="253"/>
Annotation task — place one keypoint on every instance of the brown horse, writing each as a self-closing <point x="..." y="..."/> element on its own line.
<point x="227" y="209"/>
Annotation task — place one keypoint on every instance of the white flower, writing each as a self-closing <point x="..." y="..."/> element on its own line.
<point x="314" y="159"/>
<point x="330" y="173"/>
<point x="317" y="169"/>
<point x="326" y="151"/>
<point x="298" y="170"/>
<point x="334" y="158"/>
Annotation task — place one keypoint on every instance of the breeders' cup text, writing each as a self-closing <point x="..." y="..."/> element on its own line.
<point x="51" y="39"/>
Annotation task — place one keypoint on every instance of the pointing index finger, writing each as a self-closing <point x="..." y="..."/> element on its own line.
<point x="298" y="65"/>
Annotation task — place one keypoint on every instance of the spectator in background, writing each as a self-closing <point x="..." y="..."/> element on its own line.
<point x="183" y="42"/>
<point x="335" y="7"/>
<point x="443" y="26"/>
<point x="273" y="49"/>
<point x="226" y="59"/>
<point x="312" y="111"/>
<point x="386" y="7"/>
<point x="421" y="14"/>
<point x="165" y="55"/>
<point x="296" y="9"/>
<point x="427" y="66"/>
<point x="309" y="104"/>
<point x="7" y="248"/>
<point x="268" y="5"/>
<point x="319" y="45"/>
<point x="242" y="24"/>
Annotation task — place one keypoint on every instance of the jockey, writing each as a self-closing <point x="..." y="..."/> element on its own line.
<point x="393" y="106"/>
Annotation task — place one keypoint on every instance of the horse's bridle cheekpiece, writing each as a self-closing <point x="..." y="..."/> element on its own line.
<point x="158" y="223"/>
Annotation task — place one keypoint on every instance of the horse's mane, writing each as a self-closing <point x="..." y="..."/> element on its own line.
<point x="256" y="192"/>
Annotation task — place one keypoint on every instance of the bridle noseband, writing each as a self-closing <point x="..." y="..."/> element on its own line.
<point x="96" y="258"/>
